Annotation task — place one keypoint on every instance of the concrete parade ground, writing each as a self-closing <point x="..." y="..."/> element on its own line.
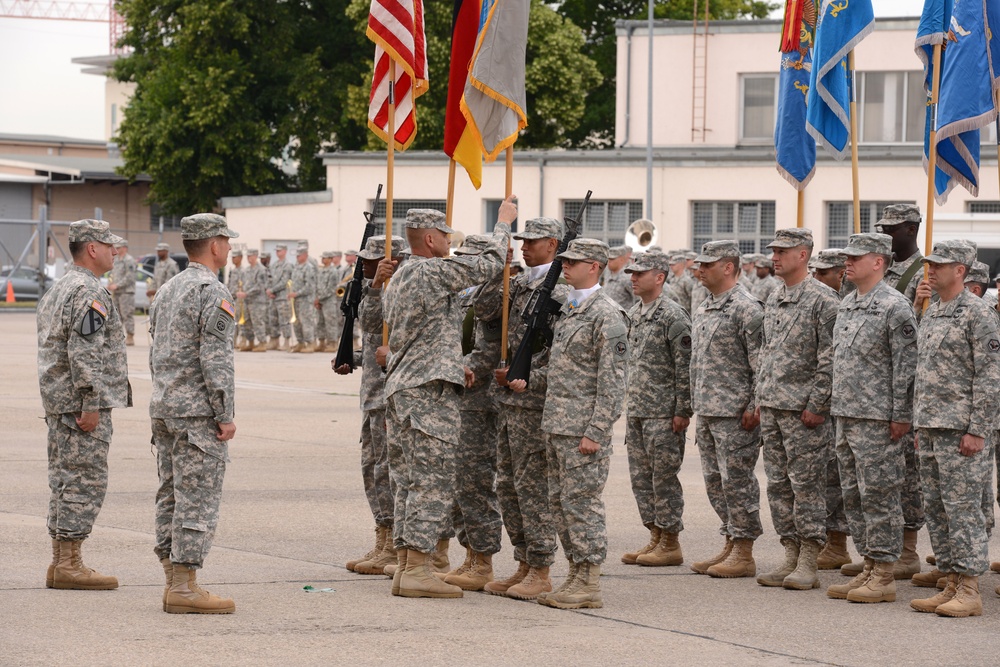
<point x="293" y="512"/>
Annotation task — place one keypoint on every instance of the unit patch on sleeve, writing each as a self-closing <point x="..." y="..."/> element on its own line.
<point x="93" y="319"/>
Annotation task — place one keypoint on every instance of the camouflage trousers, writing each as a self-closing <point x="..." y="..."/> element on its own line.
<point x="795" y="459"/>
<point x="78" y="475"/>
<point x="523" y="485"/>
<point x="728" y="458"/>
<point x="305" y="320"/>
<point x="476" y="512"/>
<point x="655" y="455"/>
<point x="125" y="304"/>
<point x="256" y="328"/>
<point x="953" y="494"/>
<point x="911" y="496"/>
<point x="245" y="330"/>
<point x="282" y="314"/>
<point x="871" y="477"/>
<point x="379" y="489"/>
<point x="836" y="520"/>
<point x="332" y="320"/>
<point x="422" y="441"/>
<point x="576" y="487"/>
<point x="191" y="463"/>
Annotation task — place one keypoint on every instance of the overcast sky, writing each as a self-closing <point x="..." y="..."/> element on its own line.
<point x="44" y="93"/>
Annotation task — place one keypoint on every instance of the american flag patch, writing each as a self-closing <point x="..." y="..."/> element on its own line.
<point x="99" y="307"/>
<point x="228" y="307"/>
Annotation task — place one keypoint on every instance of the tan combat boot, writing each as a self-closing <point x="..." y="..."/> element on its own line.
<point x="417" y="581"/>
<point x="929" y="605"/>
<point x="536" y="582"/>
<point x="966" y="601"/>
<point x="377" y="563"/>
<point x="320" y="344"/>
<point x="928" y="579"/>
<point x="49" y="573"/>
<point x="835" y="553"/>
<point x="168" y="571"/>
<point x="853" y="569"/>
<point x="439" y="557"/>
<point x="246" y="346"/>
<point x="567" y="582"/>
<point x="461" y="569"/>
<point x="840" y="591"/>
<point x="654" y="539"/>
<point x="476" y="576"/>
<point x="501" y="587"/>
<point x="402" y="555"/>
<point x="380" y="537"/>
<point x="330" y="347"/>
<point x="739" y="562"/>
<point x="272" y="343"/>
<point x="777" y="577"/>
<point x="804" y="577"/>
<point x="995" y="566"/>
<point x="667" y="552"/>
<point x="130" y="340"/>
<point x="70" y="572"/>
<point x="583" y="592"/>
<point x="701" y="567"/>
<point x="880" y="586"/>
<point x="909" y="562"/>
<point x="297" y="348"/>
<point x="185" y="596"/>
<point x="260" y="347"/>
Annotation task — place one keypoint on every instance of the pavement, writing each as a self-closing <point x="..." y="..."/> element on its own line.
<point x="294" y="512"/>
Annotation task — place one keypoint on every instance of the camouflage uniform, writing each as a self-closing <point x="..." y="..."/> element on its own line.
<point x="618" y="287"/>
<point x="330" y="320"/>
<point x="255" y="286"/>
<point x="681" y="286"/>
<point x="82" y="367"/>
<point x="164" y="270"/>
<point x="235" y="282"/>
<point x="192" y="325"/>
<point x="699" y="293"/>
<point x="123" y="275"/>
<point x="379" y="489"/>
<point x="281" y="273"/>
<point x="304" y="286"/>
<point x="658" y="389"/>
<point x="762" y="289"/>
<point x="425" y="379"/>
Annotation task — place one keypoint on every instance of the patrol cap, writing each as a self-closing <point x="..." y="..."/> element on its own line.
<point x="655" y="248"/>
<point x="375" y="247"/>
<point x="763" y="263"/>
<point x="162" y="246"/>
<point x="584" y="249"/>
<point x="92" y="230"/>
<point x="979" y="273"/>
<point x="897" y="214"/>
<point x="792" y="237"/>
<point x="473" y="245"/>
<point x="122" y="244"/>
<point x="236" y="253"/>
<point x="427" y="218"/>
<point x="649" y="261"/>
<point x="869" y="242"/>
<point x="354" y="253"/>
<point x="713" y="251"/>
<point x="747" y="258"/>
<point x="952" y="252"/>
<point x="691" y="255"/>
<point x="281" y="246"/>
<point x="540" y="228"/>
<point x="326" y="254"/>
<point x="677" y="258"/>
<point x="618" y="251"/>
<point x="301" y="248"/>
<point x="252" y="252"/>
<point x="827" y="259"/>
<point x="265" y="255"/>
<point x="336" y="253"/>
<point x="205" y="226"/>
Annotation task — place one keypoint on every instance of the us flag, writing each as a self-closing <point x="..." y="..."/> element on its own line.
<point x="397" y="28"/>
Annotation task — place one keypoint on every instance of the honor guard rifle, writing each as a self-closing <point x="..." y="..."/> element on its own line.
<point x="352" y="293"/>
<point x="541" y="308"/>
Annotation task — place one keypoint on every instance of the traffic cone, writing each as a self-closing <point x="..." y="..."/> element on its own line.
<point x="10" y="292"/>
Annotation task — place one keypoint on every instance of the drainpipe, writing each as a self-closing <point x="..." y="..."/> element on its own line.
<point x="628" y="83"/>
<point x="541" y="187"/>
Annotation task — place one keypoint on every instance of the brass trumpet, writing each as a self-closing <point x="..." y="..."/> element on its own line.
<point x="243" y="319"/>
<point x="294" y="319"/>
<point x="342" y="285"/>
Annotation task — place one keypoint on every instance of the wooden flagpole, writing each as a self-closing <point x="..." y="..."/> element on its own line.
<point x="932" y="160"/>
<point x="451" y="192"/>
<point x="390" y="164"/>
<point x="800" y="214"/>
<point x="507" y="190"/>
<point x="854" y="144"/>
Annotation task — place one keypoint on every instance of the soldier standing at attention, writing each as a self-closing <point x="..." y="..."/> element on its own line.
<point x="658" y="408"/>
<point x="425" y="376"/>
<point x="303" y="290"/>
<point x="329" y="321"/>
<point x="680" y="281"/>
<point x="766" y="282"/>
<point x="616" y="281"/>
<point x="281" y="273"/>
<point x="234" y="283"/>
<point x="192" y="324"/>
<point x="255" y="300"/>
<point x="794" y="381"/>
<point x="873" y="362"/>
<point x="164" y="269"/>
<point x="82" y="375"/>
<point x="727" y="336"/>
<point x="122" y="287"/>
<point x="583" y="400"/>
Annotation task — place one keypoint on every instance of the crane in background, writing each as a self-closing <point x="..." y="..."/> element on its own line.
<point x="98" y="11"/>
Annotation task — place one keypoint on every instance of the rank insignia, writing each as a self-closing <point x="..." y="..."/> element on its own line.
<point x="228" y="307"/>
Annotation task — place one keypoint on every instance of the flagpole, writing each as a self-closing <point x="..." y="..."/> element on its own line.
<point x="390" y="164"/>
<point x="854" y="145"/>
<point x="800" y="215"/>
<point x="508" y="189"/>
<point x="451" y="192"/>
<point x="932" y="160"/>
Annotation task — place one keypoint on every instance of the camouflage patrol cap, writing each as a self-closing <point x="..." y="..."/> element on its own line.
<point x="897" y="214"/>
<point x="336" y="253"/>
<point x="252" y="252"/>
<point x="649" y="261"/>
<point x="375" y="247"/>
<point x="540" y="228"/>
<point x="827" y="259"/>
<point x="236" y="253"/>
<point x="427" y="218"/>
<point x="162" y="246"/>
<point x="618" y="251"/>
<point x="657" y="248"/>
<point x="748" y="258"/>
<point x="979" y="273"/>
<point x="205" y="226"/>
<point x="763" y="263"/>
<point x="301" y="247"/>
<point x="82" y="231"/>
<point x="281" y="246"/>
<point x="957" y="251"/>
<point x="473" y="245"/>
<point x="122" y="244"/>
<point x="677" y="257"/>
<point x="713" y="251"/>
<point x="586" y="250"/>
<point x="870" y="242"/>
<point x="792" y="237"/>
<point x="691" y="255"/>
<point x="265" y="255"/>
<point x="355" y="253"/>
<point x="326" y="254"/>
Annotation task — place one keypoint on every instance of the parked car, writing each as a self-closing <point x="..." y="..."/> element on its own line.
<point x="141" y="276"/>
<point x="25" y="281"/>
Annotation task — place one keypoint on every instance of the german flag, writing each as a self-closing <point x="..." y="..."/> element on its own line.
<point x="460" y="142"/>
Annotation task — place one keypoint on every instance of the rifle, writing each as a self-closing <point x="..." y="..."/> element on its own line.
<point x="541" y="308"/>
<point x="352" y="293"/>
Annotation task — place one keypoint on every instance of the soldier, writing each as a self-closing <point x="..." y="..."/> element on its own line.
<point x="955" y="409"/>
<point x="680" y="282"/>
<point x="425" y="377"/>
<point x="978" y="282"/>
<point x="82" y="376"/>
<point x="699" y="293"/>
<point x="583" y="400"/>
<point x="164" y="269"/>
<point x="522" y="464"/>
<point x="828" y="267"/>
<point x="254" y="295"/>
<point x="378" y="486"/>
<point x="273" y="330"/>
<point x="793" y="399"/>
<point x="281" y="274"/>
<point x="330" y="321"/>
<point x="748" y="270"/>
<point x="234" y="283"/>
<point x="727" y="335"/>
<point x="658" y="408"/>
<point x="122" y="287"/>
<point x="874" y="357"/>
<point x="302" y="294"/>
<point x="192" y="325"/>
<point x="616" y="281"/>
<point x="766" y="282"/>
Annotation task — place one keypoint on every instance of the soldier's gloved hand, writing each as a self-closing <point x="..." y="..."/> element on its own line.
<point x="225" y="431"/>
<point x="970" y="445"/>
<point x="87" y="421"/>
<point x="898" y="429"/>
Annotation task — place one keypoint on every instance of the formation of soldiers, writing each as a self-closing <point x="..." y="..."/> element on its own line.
<point x="875" y="416"/>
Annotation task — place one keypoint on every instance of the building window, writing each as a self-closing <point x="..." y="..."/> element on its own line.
<point x="982" y="207"/>
<point x="759" y="95"/>
<point x="893" y="107"/>
<point x="750" y="223"/>
<point x="492" y="213"/>
<point x="605" y="220"/>
<point x="840" y="219"/>
<point x="399" y="209"/>
<point x="170" y="222"/>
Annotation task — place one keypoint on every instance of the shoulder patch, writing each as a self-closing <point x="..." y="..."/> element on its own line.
<point x="99" y="307"/>
<point x="908" y="331"/>
<point x="227" y="306"/>
<point x="621" y="348"/>
<point x="93" y="319"/>
<point x="994" y="345"/>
